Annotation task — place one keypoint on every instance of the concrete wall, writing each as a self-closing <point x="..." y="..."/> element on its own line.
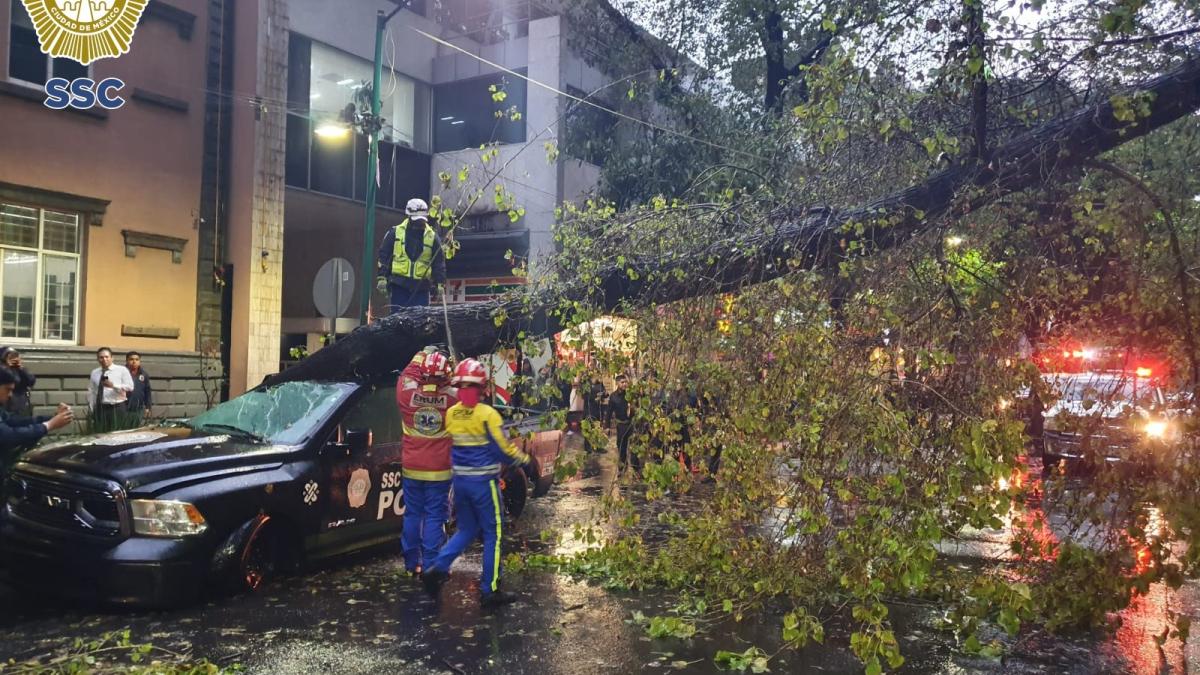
<point x="533" y="181"/>
<point x="178" y="380"/>
<point x="257" y="192"/>
<point x="144" y="157"/>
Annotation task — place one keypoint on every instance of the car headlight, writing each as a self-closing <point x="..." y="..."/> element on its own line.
<point x="1156" y="429"/>
<point x="162" y="518"/>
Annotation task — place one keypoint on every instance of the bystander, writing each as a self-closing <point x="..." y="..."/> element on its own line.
<point x="108" y="393"/>
<point x="19" y="403"/>
<point x="141" y="399"/>
<point x="20" y="433"/>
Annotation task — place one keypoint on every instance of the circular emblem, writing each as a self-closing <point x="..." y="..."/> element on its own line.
<point x="360" y="485"/>
<point x="427" y="420"/>
<point x="85" y="30"/>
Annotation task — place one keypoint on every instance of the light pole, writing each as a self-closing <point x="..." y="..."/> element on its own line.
<point x="373" y="125"/>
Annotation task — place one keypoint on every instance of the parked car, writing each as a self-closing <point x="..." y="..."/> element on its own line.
<point x="266" y="482"/>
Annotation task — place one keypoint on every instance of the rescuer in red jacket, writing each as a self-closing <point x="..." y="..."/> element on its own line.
<point x="423" y="395"/>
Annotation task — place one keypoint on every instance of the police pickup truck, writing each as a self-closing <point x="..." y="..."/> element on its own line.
<point x="278" y="477"/>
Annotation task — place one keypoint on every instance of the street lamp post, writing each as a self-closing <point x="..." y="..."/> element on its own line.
<point x="372" y="126"/>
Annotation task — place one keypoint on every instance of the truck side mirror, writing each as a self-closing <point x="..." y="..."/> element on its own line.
<point x="357" y="440"/>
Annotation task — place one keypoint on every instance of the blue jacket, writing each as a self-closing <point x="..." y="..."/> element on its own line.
<point x="480" y="446"/>
<point x="19" y="432"/>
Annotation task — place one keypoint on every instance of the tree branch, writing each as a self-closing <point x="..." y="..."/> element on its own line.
<point x="1181" y="275"/>
<point x="793" y="241"/>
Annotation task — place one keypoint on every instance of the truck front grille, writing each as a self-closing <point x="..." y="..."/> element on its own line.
<point x="66" y="504"/>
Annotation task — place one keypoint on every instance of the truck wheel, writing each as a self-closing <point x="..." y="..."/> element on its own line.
<point x="263" y="556"/>
<point x="515" y="490"/>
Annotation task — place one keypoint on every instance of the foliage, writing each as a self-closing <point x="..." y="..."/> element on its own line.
<point x="753" y="660"/>
<point x="853" y="418"/>
<point x="115" y="652"/>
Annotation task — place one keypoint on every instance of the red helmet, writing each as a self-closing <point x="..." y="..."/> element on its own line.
<point x="435" y="366"/>
<point x="470" y="371"/>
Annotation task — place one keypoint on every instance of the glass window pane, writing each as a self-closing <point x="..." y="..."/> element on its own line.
<point x="335" y="79"/>
<point x="19" y="283"/>
<point x="69" y="69"/>
<point x="25" y="58"/>
<point x="333" y="165"/>
<point x="61" y="232"/>
<point x="377" y="411"/>
<point x="398" y="109"/>
<point x="18" y="225"/>
<point x="298" y="73"/>
<point x="297" y="151"/>
<point x="59" y="275"/>
<point x="465" y="113"/>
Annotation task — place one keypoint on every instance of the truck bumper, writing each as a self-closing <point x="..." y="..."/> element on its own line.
<point x="138" y="571"/>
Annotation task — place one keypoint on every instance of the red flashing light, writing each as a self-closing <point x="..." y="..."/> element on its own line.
<point x="1144" y="372"/>
<point x="1066" y="354"/>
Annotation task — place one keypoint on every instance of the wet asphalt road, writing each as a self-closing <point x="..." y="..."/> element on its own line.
<point x="365" y="616"/>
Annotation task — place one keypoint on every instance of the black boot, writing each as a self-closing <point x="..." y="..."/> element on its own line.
<point x="433" y="580"/>
<point x="497" y="599"/>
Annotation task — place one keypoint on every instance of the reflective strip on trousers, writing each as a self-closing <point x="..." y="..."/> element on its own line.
<point x="489" y="470"/>
<point x="496" y="557"/>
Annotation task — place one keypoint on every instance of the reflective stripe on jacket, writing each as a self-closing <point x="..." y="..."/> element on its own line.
<point x="480" y="446"/>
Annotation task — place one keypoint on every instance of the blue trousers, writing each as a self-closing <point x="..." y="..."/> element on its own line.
<point x="426" y="510"/>
<point x="407" y="297"/>
<point x="477" y="510"/>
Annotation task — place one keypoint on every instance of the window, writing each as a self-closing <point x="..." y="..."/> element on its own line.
<point x="322" y="81"/>
<point x="286" y="414"/>
<point x="465" y="113"/>
<point x="377" y="411"/>
<point x="26" y="62"/>
<point x="39" y="274"/>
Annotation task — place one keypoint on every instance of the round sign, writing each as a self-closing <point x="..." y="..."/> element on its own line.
<point x="333" y="287"/>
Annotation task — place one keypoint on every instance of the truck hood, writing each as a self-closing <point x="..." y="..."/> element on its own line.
<point x="153" y="455"/>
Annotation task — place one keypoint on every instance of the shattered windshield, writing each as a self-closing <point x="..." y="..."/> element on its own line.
<point x="286" y="414"/>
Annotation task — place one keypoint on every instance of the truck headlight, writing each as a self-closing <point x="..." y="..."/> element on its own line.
<point x="1156" y="429"/>
<point x="162" y="518"/>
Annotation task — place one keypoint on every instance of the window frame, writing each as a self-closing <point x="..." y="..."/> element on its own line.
<point x="392" y="197"/>
<point x="39" y="297"/>
<point x="8" y="76"/>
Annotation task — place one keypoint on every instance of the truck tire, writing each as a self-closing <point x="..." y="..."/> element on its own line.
<point x="253" y="553"/>
<point x="515" y="493"/>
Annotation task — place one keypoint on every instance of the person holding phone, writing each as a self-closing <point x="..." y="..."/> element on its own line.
<point x="108" y="392"/>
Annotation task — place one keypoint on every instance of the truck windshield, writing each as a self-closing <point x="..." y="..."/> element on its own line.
<point x="286" y="414"/>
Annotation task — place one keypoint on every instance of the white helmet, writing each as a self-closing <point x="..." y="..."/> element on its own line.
<point x="417" y="209"/>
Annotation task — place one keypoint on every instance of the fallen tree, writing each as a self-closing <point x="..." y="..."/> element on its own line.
<point x="797" y="238"/>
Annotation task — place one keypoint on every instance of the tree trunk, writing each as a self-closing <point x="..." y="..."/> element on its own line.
<point x="774" y="47"/>
<point x="798" y="240"/>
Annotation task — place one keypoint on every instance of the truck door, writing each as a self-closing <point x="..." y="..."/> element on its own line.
<point x="365" y="502"/>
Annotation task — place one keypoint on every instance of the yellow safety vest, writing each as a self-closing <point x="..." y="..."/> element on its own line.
<point x="402" y="266"/>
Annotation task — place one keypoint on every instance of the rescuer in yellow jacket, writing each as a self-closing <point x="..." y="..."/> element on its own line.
<point x="412" y="260"/>
<point x="479" y="451"/>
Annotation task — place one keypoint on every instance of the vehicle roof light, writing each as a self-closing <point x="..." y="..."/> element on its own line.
<point x="1144" y="372"/>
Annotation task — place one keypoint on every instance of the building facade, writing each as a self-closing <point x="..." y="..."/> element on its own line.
<point x="190" y="223"/>
<point x="100" y="211"/>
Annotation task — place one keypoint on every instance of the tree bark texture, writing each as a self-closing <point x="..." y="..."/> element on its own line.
<point x="796" y="239"/>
